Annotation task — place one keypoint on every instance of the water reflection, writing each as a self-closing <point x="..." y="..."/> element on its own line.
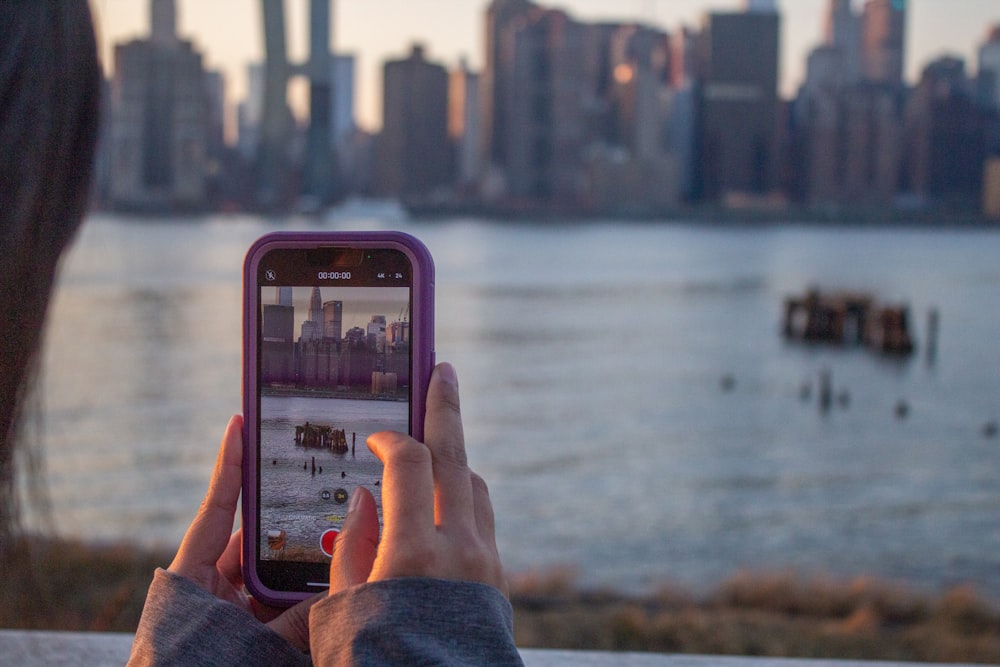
<point x="591" y="362"/>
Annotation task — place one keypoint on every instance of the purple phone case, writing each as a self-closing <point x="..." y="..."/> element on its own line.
<point x="423" y="362"/>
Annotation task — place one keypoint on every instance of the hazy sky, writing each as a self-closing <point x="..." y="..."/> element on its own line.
<point x="228" y="32"/>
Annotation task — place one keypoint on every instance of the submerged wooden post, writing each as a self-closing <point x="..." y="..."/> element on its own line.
<point x="933" y="323"/>
<point x="825" y="389"/>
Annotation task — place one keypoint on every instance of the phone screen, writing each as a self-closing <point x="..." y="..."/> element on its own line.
<point x="334" y="365"/>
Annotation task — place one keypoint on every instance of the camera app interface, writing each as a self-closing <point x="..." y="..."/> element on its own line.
<point x="334" y="367"/>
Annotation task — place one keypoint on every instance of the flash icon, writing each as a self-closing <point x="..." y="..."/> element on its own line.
<point x="270" y="274"/>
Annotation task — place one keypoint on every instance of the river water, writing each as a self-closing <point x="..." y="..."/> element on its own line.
<point x="626" y="393"/>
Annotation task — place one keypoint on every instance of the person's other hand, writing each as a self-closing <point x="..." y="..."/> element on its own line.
<point x="210" y="553"/>
<point x="437" y="512"/>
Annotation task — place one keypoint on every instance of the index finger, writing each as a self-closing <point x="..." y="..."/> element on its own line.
<point x="206" y="539"/>
<point x="445" y="439"/>
<point x="407" y="488"/>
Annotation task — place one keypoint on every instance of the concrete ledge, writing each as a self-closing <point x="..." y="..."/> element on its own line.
<point x="550" y="658"/>
<point x="24" y="647"/>
<point x="96" y="649"/>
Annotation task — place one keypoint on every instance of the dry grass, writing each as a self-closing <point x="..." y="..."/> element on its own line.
<point x="66" y="585"/>
<point x="69" y="585"/>
<point x="763" y="615"/>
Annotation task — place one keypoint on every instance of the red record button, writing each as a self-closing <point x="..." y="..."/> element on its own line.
<point x="326" y="541"/>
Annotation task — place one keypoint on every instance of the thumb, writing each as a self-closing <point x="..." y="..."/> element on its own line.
<point x="355" y="547"/>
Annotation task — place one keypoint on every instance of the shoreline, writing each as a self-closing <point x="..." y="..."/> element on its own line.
<point x="346" y="394"/>
<point x="708" y="216"/>
<point x="749" y="613"/>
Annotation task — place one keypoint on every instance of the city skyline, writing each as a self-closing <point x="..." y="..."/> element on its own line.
<point x="360" y="303"/>
<point x="228" y="33"/>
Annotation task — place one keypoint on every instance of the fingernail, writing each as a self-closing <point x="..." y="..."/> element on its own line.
<point x="447" y="373"/>
<point x="354" y="501"/>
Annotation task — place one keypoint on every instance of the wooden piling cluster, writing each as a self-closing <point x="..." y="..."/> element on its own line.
<point x="848" y="318"/>
<point x="323" y="437"/>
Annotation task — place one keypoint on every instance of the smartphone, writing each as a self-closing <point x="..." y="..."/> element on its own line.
<point x="338" y="344"/>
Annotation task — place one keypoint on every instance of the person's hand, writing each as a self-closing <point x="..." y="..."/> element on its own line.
<point x="437" y="512"/>
<point x="210" y="553"/>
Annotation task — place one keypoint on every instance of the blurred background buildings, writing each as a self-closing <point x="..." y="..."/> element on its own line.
<point x="568" y="117"/>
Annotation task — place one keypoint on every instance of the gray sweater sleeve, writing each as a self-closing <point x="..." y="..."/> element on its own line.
<point x="410" y="621"/>
<point x="183" y="624"/>
<point x="414" y="621"/>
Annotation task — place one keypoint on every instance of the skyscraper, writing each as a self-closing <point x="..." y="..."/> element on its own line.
<point x="376" y="332"/>
<point x="160" y="123"/>
<point x="316" y="306"/>
<point x="883" y="41"/>
<point x="945" y="132"/>
<point x="277" y="354"/>
<point x="398" y="333"/>
<point x="312" y="326"/>
<point x="464" y="125"/>
<point x="496" y="77"/>
<point x="738" y="101"/>
<point x="276" y="125"/>
<point x="163" y="23"/>
<point x="989" y="70"/>
<point x="250" y="113"/>
<point x="544" y="118"/>
<point x="276" y="120"/>
<point x="333" y="320"/>
<point x="319" y="173"/>
<point x="413" y="151"/>
<point x="640" y="65"/>
<point x="342" y="124"/>
<point x="848" y="132"/>
<point x="842" y="32"/>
